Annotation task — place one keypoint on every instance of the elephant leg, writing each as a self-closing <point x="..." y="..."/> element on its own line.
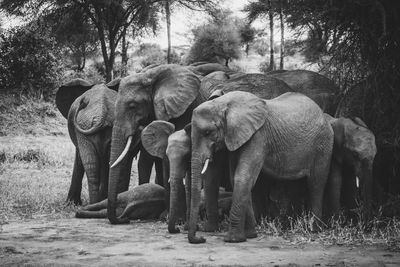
<point x="104" y="170"/>
<point x="145" y="164"/>
<point x="316" y="183"/>
<point x="211" y="189"/>
<point x="126" y="173"/>
<point x="75" y="189"/>
<point x="248" y="168"/>
<point x="159" y="171"/>
<point x="349" y="188"/>
<point x="334" y="187"/>
<point x="250" y="223"/>
<point x="91" y="164"/>
<point x="188" y="186"/>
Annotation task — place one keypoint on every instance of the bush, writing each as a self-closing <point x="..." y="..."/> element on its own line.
<point x="153" y="54"/>
<point x="28" y="63"/>
<point x="90" y="74"/>
<point x="264" y="67"/>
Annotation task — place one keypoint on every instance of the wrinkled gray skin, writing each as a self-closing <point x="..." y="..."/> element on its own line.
<point x="90" y="109"/>
<point x="207" y="68"/>
<point x="143" y="202"/>
<point x="314" y="85"/>
<point x="353" y="155"/>
<point x="90" y="120"/>
<point x="166" y="92"/>
<point x="283" y="138"/>
<point x="160" y="139"/>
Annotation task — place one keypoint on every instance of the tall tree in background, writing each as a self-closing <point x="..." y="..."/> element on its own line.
<point x="111" y="18"/>
<point x="282" y="35"/>
<point x="271" y="36"/>
<point x="259" y="9"/>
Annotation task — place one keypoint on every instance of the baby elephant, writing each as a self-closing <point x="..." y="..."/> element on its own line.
<point x="160" y="139"/>
<point x="145" y="201"/>
<point x="353" y="155"/>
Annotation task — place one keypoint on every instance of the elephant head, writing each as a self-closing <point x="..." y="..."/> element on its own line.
<point x="354" y="151"/>
<point x="228" y="122"/>
<point x="165" y="92"/>
<point x="160" y="140"/>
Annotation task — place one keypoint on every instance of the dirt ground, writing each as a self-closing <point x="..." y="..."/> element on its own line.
<point x="77" y="242"/>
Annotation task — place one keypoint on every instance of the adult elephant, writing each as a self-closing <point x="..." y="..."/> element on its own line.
<point x="314" y="85"/>
<point x="353" y="156"/>
<point x="90" y="112"/>
<point x="284" y="138"/>
<point x="89" y="109"/>
<point x="160" y="139"/>
<point x="166" y="92"/>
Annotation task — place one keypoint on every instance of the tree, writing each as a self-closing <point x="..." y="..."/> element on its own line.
<point x="198" y="5"/>
<point x="262" y="8"/>
<point x="28" y="62"/>
<point x="111" y="18"/>
<point x="282" y="34"/>
<point x="247" y="35"/>
<point x="216" y="40"/>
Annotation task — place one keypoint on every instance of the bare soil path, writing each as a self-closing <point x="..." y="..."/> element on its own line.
<point x="76" y="242"/>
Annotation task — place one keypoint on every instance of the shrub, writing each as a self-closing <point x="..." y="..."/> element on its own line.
<point x="28" y="63"/>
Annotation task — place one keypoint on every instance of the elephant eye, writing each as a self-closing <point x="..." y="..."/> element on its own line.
<point x="132" y="105"/>
<point x="207" y="132"/>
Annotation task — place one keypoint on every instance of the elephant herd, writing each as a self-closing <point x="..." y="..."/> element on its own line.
<point x="207" y="127"/>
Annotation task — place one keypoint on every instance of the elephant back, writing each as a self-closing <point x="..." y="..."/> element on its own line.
<point x="207" y="68"/>
<point x="314" y="85"/>
<point x="95" y="108"/>
<point x="260" y="85"/>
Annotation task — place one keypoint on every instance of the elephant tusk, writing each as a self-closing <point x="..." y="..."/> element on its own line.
<point x="205" y="166"/>
<point x="123" y="154"/>
<point x="357" y="182"/>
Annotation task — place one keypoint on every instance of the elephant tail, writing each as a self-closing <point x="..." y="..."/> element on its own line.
<point x="144" y="209"/>
<point x="87" y="214"/>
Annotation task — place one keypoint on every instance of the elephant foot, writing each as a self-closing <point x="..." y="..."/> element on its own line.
<point x="210" y="227"/>
<point x="173" y="230"/>
<point x="251" y="233"/>
<point x="233" y="237"/>
<point x="196" y="240"/>
<point x="73" y="201"/>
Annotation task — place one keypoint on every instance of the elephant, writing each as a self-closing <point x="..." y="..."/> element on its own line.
<point x="314" y="85"/>
<point x="167" y="92"/>
<point x="286" y="138"/>
<point x="160" y="139"/>
<point x="207" y="68"/>
<point x="89" y="110"/>
<point x="145" y="201"/>
<point x="353" y="156"/>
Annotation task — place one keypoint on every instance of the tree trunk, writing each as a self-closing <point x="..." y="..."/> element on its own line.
<point x="168" y="18"/>
<point x="282" y="36"/>
<point x="271" y="39"/>
<point x="124" y="55"/>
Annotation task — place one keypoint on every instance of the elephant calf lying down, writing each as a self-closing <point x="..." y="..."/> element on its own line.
<point x="146" y="201"/>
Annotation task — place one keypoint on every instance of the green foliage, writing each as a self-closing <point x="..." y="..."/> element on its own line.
<point x="216" y="40"/>
<point x="28" y="62"/>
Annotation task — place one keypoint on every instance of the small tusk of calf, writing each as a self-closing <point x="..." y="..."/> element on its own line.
<point x="205" y="166"/>
<point x="357" y="182"/>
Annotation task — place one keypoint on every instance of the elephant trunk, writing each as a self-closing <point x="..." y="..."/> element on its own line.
<point x="116" y="175"/>
<point x="195" y="198"/>
<point x="366" y="185"/>
<point x="177" y="197"/>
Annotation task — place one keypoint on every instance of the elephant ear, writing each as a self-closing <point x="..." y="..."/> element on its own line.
<point x="175" y="88"/>
<point x="114" y="84"/>
<point x="155" y="137"/>
<point x="217" y="93"/>
<point x="68" y="92"/>
<point x="245" y="114"/>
